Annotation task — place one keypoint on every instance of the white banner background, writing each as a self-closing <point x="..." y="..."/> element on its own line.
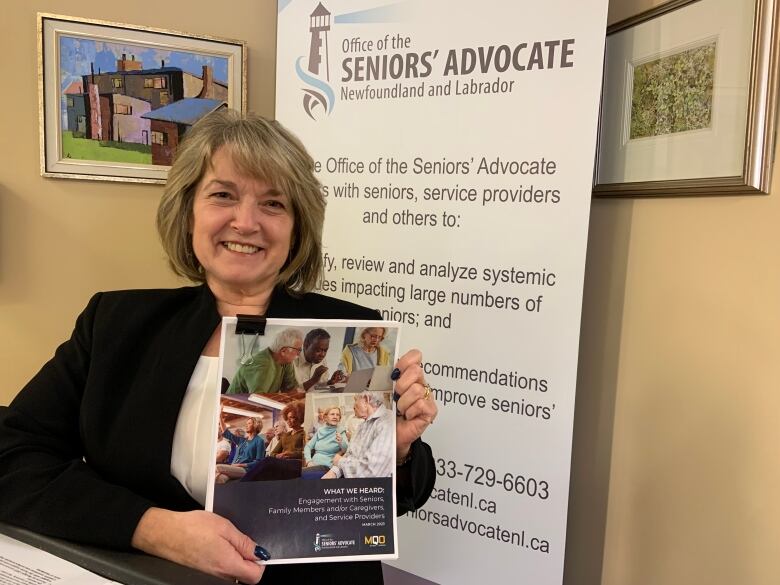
<point x="509" y="316"/>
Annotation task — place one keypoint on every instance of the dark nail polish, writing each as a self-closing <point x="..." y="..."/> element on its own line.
<point x="395" y="374"/>
<point x="396" y="396"/>
<point x="262" y="554"/>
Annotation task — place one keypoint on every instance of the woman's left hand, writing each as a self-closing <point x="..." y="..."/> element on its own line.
<point x="416" y="406"/>
<point x="201" y="540"/>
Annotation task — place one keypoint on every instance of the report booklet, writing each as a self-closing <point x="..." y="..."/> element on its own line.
<point x="304" y="450"/>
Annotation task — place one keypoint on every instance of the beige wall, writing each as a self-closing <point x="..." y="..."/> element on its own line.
<point x="62" y="240"/>
<point x="675" y="477"/>
<point x="676" y="465"/>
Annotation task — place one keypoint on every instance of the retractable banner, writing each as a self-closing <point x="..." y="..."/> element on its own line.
<point x="455" y="144"/>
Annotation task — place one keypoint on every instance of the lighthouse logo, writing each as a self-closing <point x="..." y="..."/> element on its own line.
<point x="318" y="96"/>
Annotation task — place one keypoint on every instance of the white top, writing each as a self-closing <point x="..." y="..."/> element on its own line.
<point x="271" y="444"/>
<point x="194" y="437"/>
<point x="304" y="370"/>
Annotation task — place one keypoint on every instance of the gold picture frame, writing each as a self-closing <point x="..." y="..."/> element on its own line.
<point x="689" y="100"/>
<point x="114" y="99"/>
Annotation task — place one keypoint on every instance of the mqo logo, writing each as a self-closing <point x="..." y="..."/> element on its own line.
<point x="375" y="540"/>
<point x="318" y="97"/>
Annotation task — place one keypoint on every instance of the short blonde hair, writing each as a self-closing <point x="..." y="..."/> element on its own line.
<point x="262" y="149"/>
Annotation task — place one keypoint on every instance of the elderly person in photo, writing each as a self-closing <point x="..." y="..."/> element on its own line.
<point x="317" y="422"/>
<point x="358" y="416"/>
<point x="370" y="453"/>
<point x="367" y="352"/>
<point x="279" y="428"/>
<point x="310" y="367"/>
<point x="103" y="445"/>
<point x="250" y="448"/>
<point x="326" y="442"/>
<point x="271" y="369"/>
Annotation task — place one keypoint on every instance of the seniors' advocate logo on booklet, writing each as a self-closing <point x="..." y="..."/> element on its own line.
<point x="324" y="542"/>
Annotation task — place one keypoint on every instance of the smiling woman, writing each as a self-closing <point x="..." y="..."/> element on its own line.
<point x="228" y="157"/>
<point x="241" y="230"/>
<point x="104" y="446"/>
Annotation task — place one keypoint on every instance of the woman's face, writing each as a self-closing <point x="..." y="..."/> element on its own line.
<point x="371" y="337"/>
<point x="333" y="417"/>
<point x="292" y="419"/>
<point x="241" y="228"/>
<point x="278" y="429"/>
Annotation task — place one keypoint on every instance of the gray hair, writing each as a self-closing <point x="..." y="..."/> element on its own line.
<point x="374" y="398"/>
<point x="286" y="338"/>
<point x="365" y="329"/>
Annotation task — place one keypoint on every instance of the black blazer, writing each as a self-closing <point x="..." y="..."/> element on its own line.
<point x="85" y="447"/>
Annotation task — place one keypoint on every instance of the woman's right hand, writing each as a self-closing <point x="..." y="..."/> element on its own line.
<point x="201" y="540"/>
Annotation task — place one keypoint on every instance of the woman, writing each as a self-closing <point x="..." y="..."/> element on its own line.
<point x="241" y="216"/>
<point x="290" y="444"/>
<point x="326" y="442"/>
<point x="249" y="449"/>
<point x="367" y="352"/>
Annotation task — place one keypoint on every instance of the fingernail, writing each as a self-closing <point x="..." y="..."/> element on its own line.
<point x="395" y="374"/>
<point x="262" y="554"/>
<point x="396" y="396"/>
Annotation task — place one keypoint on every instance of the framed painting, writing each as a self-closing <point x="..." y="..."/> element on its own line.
<point x="116" y="99"/>
<point x="689" y="100"/>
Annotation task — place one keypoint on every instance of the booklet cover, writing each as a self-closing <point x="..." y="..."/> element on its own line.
<point x="304" y="457"/>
